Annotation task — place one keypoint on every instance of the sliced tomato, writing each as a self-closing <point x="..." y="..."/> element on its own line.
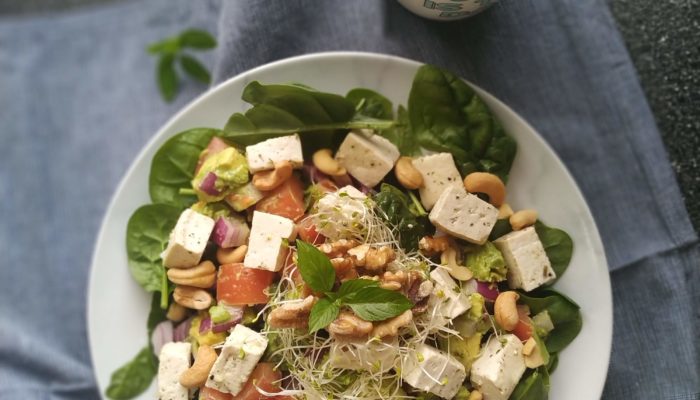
<point x="216" y="144"/>
<point x="207" y="393"/>
<point x="523" y="330"/>
<point x="237" y="285"/>
<point x="265" y="377"/>
<point x="287" y="200"/>
<point x="308" y="233"/>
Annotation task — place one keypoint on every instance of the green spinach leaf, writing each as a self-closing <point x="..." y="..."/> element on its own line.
<point x="501" y="228"/>
<point x="564" y="312"/>
<point x="134" y="377"/>
<point x="558" y="245"/>
<point x="396" y="209"/>
<point x="534" y="385"/>
<point x="401" y="136"/>
<point x="370" y="103"/>
<point x="147" y="234"/>
<point x="173" y="166"/>
<point x="447" y="115"/>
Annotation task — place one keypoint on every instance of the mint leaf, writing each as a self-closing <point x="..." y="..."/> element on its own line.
<point x="349" y="288"/>
<point x="377" y="304"/>
<point x="322" y="314"/>
<point x="167" y="78"/>
<point x="169" y="45"/>
<point x="197" y="39"/>
<point x="315" y="268"/>
<point x="194" y="68"/>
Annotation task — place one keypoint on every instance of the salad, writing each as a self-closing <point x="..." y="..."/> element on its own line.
<point x="327" y="247"/>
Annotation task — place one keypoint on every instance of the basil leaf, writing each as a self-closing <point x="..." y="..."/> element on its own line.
<point x="534" y="385"/>
<point x="558" y="245"/>
<point x="370" y="103"/>
<point x="322" y="314"/>
<point x="396" y="210"/>
<point x="133" y="378"/>
<point x="197" y="39"/>
<point x="147" y="234"/>
<point x="167" y="78"/>
<point x="315" y="267"/>
<point x="173" y="165"/>
<point x="194" y="68"/>
<point x="351" y="286"/>
<point x="564" y="312"/>
<point x="377" y="304"/>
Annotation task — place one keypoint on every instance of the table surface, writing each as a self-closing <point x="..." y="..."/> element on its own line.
<point x="661" y="37"/>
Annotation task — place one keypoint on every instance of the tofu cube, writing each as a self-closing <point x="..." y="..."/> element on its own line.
<point x="188" y="240"/>
<point x="239" y="356"/>
<point x="268" y="241"/>
<point x="447" y="297"/>
<point x="528" y="264"/>
<point x="439" y="172"/>
<point x="499" y="368"/>
<point x="464" y="215"/>
<point x="174" y="360"/>
<point x="373" y="356"/>
<point x="367" y="157"/>
<point x="431" y="370"/>
<point x="263" y="156"/>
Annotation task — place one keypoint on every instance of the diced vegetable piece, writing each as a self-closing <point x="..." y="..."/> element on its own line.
<point x="208" y="184"/>
<point x="244" y="197"/>
<point x="308" y="233"/>
<point x="230" y="231"/>
<point x="237" y="284"/>
<point x="523" y="330"/>
<point x="287" y="200"/>
<point x="265" y="377"/>
<point x="207" y="393"/>
<point x="543" y="323"/>
<point x="205" y="336"/>
<point x="466" y="351"/>
<point x="216" y="145"/>
<point x="487" y="264"/>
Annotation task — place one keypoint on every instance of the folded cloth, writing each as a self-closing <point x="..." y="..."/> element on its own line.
<point x="79" y="98"/>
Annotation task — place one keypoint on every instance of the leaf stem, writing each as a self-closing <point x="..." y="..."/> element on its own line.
<point x="187" y="191"/>
<point x="164" y="290"/>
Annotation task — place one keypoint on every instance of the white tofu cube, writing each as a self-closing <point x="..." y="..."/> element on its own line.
<point x="263" y="156"/>
<point x="499" y="368"/>
<point x="337" y="215"/>
<point x="367" y="157"/>
<point x="174" y="361"/>
<point x="188" y="240"/>
<point x="239" y="356"/>
<point x="439" y="172"/>
<point x="528" y="264"/>
<point x="373" y="356"/>
<point x="268" y="241"/>
<point x="431" y="370"/>
<point x="447" y="297"/>
<point x="464" y="215"/>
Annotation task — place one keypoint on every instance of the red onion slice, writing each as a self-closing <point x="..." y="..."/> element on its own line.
<point x="205" y="325"/>
<point x="162" y="334"/>
<point x="488" y="290"/>
<point x="230" y="232"/>
<point x="208" y="184"/>
<point x="182" y="330"/>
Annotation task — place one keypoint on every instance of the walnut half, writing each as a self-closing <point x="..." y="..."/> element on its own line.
<point x="294" y="314"/>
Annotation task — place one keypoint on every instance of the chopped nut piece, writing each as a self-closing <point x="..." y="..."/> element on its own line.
<point x="391" y="326"/>
<point x="344" y="268"/>
<point x="349" y="326"/>
<point x="294" y="314"/>
<point x="338" y="248"/>
<point x="431" y="245"/>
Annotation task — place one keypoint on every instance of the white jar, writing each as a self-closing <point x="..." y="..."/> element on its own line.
<point x="446" y="10"/>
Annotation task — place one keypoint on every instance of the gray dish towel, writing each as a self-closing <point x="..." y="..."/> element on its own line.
<point x="78" y="99"/>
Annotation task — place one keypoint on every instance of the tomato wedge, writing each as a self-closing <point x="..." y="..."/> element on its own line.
<point x="523" y="330"/>
<point x="308" y="233"/>
<point x="264" y="377"/>
<point x="237" y="285"/>
<point x="287" y="200"/>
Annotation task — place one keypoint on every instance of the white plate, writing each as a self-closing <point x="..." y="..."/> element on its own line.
<point x="118" y="307"/>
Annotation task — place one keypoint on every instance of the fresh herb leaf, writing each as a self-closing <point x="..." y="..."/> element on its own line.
<point x="147" y="234"/>
<point x="558" y="246"/>
<point x="133" y="378"/>
<point x="564" y="312"/>
<point x="167" y="78"/>
<point x="315" y="267"/>
<point x="410" y="223"/>
<point x="173" y="166"/>
<point x="166" y="46"/>
<point x="197" y="39"/>
<point x="194" y="68"/>
<point x="353" y="285"/>
<point x="370" y="103"/>
<point x="377" y="304"/>
<point x="322" y="314"/>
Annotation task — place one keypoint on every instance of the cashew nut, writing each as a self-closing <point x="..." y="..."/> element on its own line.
<point x="192" y="297"/>
<point x="532" y="354"/>
<point x="176" y="312"/>
<point x="198" y="373"/>
<point x="522" y="219"/>
<point x="324" y="161"/>
<point x="432" y="245"/>
<point x="202" y="276"/>
<point x="506" y="311"/>
<point x="449" y="260"/>
<point x="268" y="180"/>
<point x="504" y="211"/>
<point x="529" y="346"/>
<point x="407" y="175"/>
<point x="349" y="325"/>
<point x="490" y="184"/>
<point x="231" y="255"/>
<point x="475" y="395"/>
<point x="390" y="327"/>
<point x="294" y="314"/>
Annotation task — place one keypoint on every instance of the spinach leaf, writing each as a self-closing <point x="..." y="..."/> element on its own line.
<point x="370" y="103"/>
<point x="147" y="234"/>
<point x="401" y="136"/>
<point x="134" y="377"/>
<point x="447" y="115"/>
<point x="173" y="166"/>
<point x="534" y="385"/>
<point x="558" y="245"/>
<point x="500" y="228"/>
<point x="395" y="207"/>
<point x="155" y="317"/>
<point x="286" y="109"/>
<point x="564" y="312"/>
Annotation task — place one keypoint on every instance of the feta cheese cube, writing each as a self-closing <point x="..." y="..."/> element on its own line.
<point x="431" y="370"/>
<point x="528" y="264"/>
<point x="340" y="213"/>
<point x="174" y="360"/>
<point x="367" y="157"/>
<point x="464" y="215"/>
<point x="263" y="156"/>
<point x="373" y="356"/>
<point x="439" y="172"/>
<point x="447" y="297"/>
<point x="268" y="241"/>
<point x="499" y="368"/>
<point x="187" y="240"/>
<point x="239" y="356"/>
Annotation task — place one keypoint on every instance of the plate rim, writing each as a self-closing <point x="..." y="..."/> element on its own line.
<point x="596" y="238"/>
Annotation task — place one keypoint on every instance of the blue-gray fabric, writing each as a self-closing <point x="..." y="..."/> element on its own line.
<point x="78" y="99"/>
